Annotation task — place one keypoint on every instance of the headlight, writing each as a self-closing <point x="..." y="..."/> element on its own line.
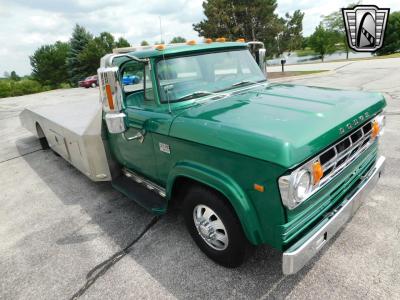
<point x="302" y="185"/>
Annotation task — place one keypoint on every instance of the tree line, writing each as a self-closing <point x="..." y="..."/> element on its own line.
<point x="69" y="62"/>
<point x="63" y="64"/>
<point x="330" y="35"/>
<point x="258" y="20"/>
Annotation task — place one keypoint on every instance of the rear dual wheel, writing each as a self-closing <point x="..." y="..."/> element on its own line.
<point x="214" y="226"/>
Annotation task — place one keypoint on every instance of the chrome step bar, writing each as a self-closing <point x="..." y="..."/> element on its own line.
<point x="145" y="182"/>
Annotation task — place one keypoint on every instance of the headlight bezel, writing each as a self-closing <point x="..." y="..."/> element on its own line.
<point x="289" y="183"/>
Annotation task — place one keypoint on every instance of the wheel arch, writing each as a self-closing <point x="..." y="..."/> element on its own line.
<point x="192" y="173"/>
<point x="39" y="130"/>
<point x="42" y="137"/>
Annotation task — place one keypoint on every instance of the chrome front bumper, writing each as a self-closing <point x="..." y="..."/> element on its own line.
<point x="297" y="256"/>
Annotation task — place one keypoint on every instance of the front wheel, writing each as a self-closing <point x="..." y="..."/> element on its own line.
<point x="214" y="227"/>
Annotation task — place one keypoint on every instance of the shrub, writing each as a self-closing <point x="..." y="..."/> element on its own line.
<point x="5" y="88"/>
<point x="11" y="88"/>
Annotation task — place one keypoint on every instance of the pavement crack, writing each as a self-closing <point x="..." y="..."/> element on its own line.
<point x="102" y="268"/>
<point x="341" y="67"/>
<point x="8" y="159"/>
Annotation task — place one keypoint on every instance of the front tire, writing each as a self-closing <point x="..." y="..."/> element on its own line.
<point x="214" y="226"/>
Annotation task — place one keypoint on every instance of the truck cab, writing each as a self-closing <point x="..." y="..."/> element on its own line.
<point x="248" y="162"/>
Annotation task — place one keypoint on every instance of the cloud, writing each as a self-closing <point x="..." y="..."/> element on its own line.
<point x="28" y="24"/>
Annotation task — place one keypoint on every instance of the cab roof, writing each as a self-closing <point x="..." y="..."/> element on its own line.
<point x="173" y="49"/>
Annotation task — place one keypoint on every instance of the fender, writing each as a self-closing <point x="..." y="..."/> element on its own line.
<point x="226" y="186"/>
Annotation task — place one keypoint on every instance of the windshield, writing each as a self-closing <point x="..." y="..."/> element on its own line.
<point x="189" y="77"/>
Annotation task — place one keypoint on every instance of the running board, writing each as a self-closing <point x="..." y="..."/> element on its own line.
<point x="143" y="192"/>
<point x="147" y="183"/>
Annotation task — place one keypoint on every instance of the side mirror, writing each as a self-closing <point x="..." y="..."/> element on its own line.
<point x="111" y="99"/>
<point x="258" y="51"/>
<point x="261" y="60"/>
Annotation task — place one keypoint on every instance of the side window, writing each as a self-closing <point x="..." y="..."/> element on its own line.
<point x="132" y="77"/>
<point x="149" y="92"/>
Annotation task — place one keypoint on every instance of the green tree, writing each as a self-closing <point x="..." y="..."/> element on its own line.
<point x="233" y="19"/>
<point x="144" y="43"/>
<point x="304" y="42"/>
<point x="323" y="41"/>
<point x="391" y="42"/>
<point x="89" y="57"/>
<point x="49" y="64"/>
<point x="121" y="43"/>
<point x="292" y="36"/>
<point x="14" y="76"/>
<point x="334" y="22"/>
<point x="177" y="40"/>
<point x="79" y="40"/>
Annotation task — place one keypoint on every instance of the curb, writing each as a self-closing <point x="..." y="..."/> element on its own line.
<point x="290" y="78"/>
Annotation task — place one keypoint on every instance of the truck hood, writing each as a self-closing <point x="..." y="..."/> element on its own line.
<point x="280" y="123"/>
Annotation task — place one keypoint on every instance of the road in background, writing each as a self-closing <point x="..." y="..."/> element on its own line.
<point x="63" y="235"/>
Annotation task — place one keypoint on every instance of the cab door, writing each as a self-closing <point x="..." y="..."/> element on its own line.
<point x="135" y="146"/>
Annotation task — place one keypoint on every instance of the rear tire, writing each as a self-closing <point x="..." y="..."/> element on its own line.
<point x="214" y="226"/>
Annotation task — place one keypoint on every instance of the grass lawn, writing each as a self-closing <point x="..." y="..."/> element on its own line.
<point x="273" y="75"/>
<point x="304" y="52"/>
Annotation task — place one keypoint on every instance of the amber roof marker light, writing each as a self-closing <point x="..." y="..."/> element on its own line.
<point x="160" y="47"/>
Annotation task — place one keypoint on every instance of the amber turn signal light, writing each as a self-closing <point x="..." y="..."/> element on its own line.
<point x="318" y="172"/>
<point x="109" y="97"/>
<point x="259" y="188"/>
<point x="375" y="129"/>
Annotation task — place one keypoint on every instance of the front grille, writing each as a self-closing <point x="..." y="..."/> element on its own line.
<point x="340" y="155"/>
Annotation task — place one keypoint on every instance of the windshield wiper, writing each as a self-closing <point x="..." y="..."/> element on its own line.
<point x="194" y="95"/>
<point x="243" y="82"/>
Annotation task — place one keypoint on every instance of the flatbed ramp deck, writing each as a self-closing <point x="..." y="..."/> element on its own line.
<point x="73" y="130"/>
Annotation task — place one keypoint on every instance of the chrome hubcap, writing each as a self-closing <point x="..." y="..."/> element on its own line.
<point x="210" y="227"/>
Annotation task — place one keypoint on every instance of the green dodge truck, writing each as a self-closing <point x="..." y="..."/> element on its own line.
<point x="247" y="161"/>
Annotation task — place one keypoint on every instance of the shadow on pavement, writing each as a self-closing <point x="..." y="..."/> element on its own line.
<point x="166" y="251"/>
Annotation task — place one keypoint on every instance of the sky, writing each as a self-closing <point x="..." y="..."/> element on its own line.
<point x="25" y="25"/>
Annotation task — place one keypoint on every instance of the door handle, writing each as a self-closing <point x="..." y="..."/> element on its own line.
<point x="138" y="136"/>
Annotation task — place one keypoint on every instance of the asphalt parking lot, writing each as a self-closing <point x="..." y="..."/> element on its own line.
<point x="63" y="236"/>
